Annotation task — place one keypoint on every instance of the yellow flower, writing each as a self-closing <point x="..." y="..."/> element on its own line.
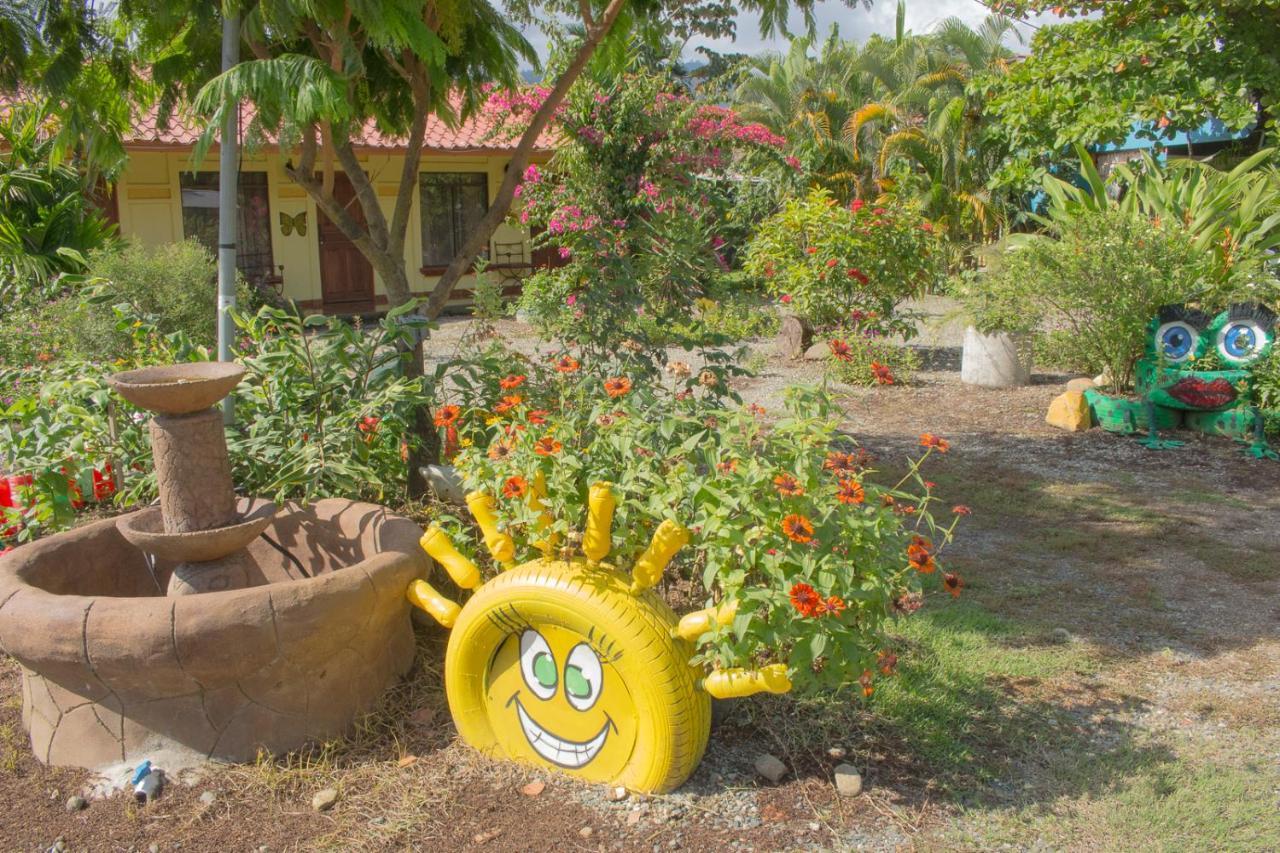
<point x="491" y="420"/>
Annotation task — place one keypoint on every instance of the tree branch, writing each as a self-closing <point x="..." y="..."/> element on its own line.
<point x="479" y="238"/>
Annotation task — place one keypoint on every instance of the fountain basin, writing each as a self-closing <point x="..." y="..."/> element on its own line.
<point x="145" y="531"/>
<point x="178" y="389"/>
<point x="114" y="671"/>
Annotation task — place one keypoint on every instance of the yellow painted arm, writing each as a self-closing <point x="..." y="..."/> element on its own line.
<point x="597" y="538"/>
<point x="694" y="625"/>
<point x="667" y="539"/>
<point x="424" y="596"/>
<point x="438" y="547"/>
<point x="537" y="496"/>
<point x="732" y="683"/>
<point x="500" y="545"/>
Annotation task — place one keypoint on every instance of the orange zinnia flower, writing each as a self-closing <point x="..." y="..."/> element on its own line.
<point x="835" y="605"/>
<point x="840" y="462"/>
<point x="567" y="364"/>
<point x="920" y="558"/>
<point x="840" y="350"/>
<point x="797" y="528"/>
<point x="728" y="466"/>
<point x="500" y="450"/>
<point x="547" y="446"/>
<point x="806" y="600"/>
<point x="952" y="583"/>
<point x="961" y="509"/>
<point x="538" y="417"/>
<point x="887" y="662"/>
<point x="865" y="681"/>
<point x="513" y="381"/>
<point x="788" y="486"/>
<point x="850" y="492"/>
<point x="447" y="415"/>
<point x="515" y="487"/>
<point x="508" y="403"/>
<point x="932" y="441"/>
<point x="617" y="386"/>
<point x="881" y="373"/>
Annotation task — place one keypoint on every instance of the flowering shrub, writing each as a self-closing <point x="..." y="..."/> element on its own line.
<point x="323" y="411"/>
<point x="825" y="261"/>
<point x="632" y="202"/>
<point x="789" y="523"/>
<point x="862" y="356"/>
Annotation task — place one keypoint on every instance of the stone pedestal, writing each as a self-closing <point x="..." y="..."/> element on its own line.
<point x="193" y="473"/>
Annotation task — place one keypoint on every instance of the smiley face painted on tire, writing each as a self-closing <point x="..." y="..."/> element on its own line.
<point x="554" y="696"/>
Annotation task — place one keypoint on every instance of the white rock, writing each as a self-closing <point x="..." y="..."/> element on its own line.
<point x="325" y="799"/>
<point x="770" y="767"/>
<point x="848" y="780"/>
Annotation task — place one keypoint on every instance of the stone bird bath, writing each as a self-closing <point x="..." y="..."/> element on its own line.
<point x="207" y="625"/>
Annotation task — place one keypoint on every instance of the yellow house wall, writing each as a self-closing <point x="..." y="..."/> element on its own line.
<point x="150" y="207"/>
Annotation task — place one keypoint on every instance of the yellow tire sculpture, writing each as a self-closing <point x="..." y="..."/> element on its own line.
<point x="576" y="666"/>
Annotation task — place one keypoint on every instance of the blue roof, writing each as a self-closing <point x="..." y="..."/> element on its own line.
<point x="1212" y="130"/>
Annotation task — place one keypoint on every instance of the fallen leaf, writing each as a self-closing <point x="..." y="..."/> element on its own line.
<point x="534" y="788"/>
<point x="486" y="837"/>
<point x="407" y="761"/>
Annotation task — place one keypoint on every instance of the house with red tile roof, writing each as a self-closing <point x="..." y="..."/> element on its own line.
<point x="288" y="246"/>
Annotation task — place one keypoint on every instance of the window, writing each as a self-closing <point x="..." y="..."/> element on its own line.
<point x="452" y="205"/>
<point x="253" y="238"/>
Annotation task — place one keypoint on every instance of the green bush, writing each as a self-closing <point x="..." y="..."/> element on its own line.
<point x="825" y="261"/>
<point x="1095" y="282"/>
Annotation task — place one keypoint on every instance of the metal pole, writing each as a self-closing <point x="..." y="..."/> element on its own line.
<point x="228" y="169"/>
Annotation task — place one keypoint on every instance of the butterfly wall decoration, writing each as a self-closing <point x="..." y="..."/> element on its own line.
<point x="295" y="223"/>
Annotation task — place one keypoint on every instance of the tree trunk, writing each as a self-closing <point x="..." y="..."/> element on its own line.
<point x="477" y="240"/>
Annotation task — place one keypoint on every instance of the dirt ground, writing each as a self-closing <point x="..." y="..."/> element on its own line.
<point x="1109" y="680"/>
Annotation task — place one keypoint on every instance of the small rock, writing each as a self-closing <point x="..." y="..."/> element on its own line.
<point x="208" y="798"/>
<point x="534" y="788"/>
<point x="818" y="352"/>
<point x="770" y="767"/>
<point x="378" y="821"/>
<point x="585" y="832"/>
<point x="1080" y="385"/>
<point x="1061" y="636"/>
<point x="325" y="799"/>
<point x="616" y="794"/>
<point x="837" y="752"/>
<point x="848" y="780"/>
<point x="75" y="804"/>
<point x="633" y="818"/>
<point x="153" y="848"/>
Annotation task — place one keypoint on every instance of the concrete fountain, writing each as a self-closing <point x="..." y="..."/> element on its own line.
<point x="208" y="625"/>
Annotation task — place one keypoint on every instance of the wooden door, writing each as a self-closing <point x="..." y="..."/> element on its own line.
<point x="346" y="278"/>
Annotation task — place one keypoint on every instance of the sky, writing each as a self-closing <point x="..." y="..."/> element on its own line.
<point x="855" y="24"/>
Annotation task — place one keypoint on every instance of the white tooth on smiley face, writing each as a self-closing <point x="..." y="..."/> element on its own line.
<point x="566" y="753"/>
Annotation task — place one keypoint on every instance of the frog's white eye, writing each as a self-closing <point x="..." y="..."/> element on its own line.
<point x="583" y="677"/>
<point x="1245" y="332"/>
<point x="537" y="665"/>
<point x="1177" y="340"/>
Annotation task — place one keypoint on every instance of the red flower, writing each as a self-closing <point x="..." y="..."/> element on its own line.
<point x="756" y="409"/>
<point x="850" y="492"/>
<point x="857" y="204"/>
<point x="834" y="605"/>
<point x="515" y="487"/>
<point x="617" y="386"/>
<point x="840" y="350"/>
<point x="847" y="463"/>
<point x="879" y="211"/>
<point x="369" y="425"/>
<point x="811" y="250"/>
<point x="887" y="662"/>
<point x="806" y="600"/>
<point x="788" y="486"/>
<point x="786" y="299"/>
<point x="513" y="381"/>
<point x="952" y="583"/>
<point x="797" y="528"/>
<point x="932" y="441"/>
<point x="831" y="262"/>
<point x="865" y="681"/>
<point x="961" y="509"/>
<point x="858" y="275"/>
<point x="547" y="446"/>
<point x="567" y="364"/>
<point x="920" y="555"/>
<point x="881" y="373"/>
<point x="508" y="403"/>
<point x="450" y="442"/>
<point x="447" y="415"/>
<point x="538" y="417"/>
<point x="728" y="466"/>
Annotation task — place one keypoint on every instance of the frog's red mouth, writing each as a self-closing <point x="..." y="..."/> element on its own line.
<point x="1200" y="394"/>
